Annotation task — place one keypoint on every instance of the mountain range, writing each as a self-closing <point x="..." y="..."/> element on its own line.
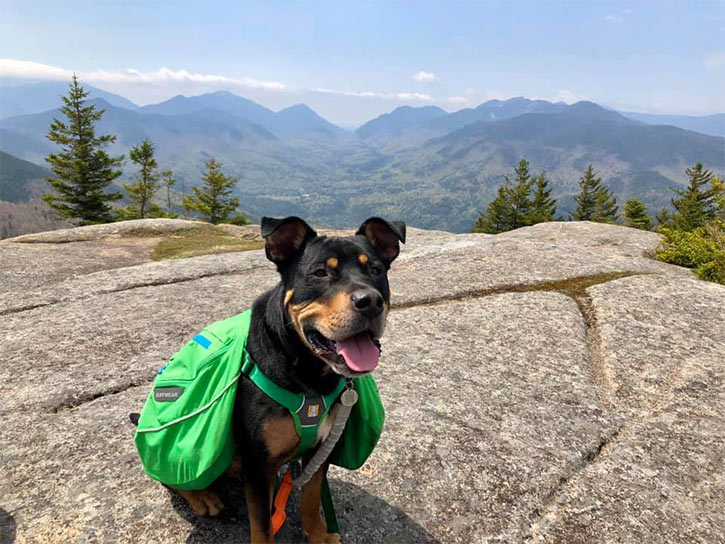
<point x="432" y="168"/>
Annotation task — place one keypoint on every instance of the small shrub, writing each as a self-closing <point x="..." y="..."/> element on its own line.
<point x="702" y="249"/>
<point x="240" y="220"/>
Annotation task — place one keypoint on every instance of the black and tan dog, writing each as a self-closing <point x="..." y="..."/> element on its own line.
<point x="322" y="321"/>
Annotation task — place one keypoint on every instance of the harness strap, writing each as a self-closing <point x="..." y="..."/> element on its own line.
<point x="307" y="411"/>
<point x="328" y="508"/>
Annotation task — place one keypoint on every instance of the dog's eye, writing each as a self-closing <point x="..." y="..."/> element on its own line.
<point x="320" y="273"/>
<point x="376" y="270"/>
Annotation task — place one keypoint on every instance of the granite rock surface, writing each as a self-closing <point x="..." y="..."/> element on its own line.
<point x="551" y="384"/>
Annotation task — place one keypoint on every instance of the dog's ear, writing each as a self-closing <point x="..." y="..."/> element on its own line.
<point x="384" y="236"/>
<point x="284" y="238"/>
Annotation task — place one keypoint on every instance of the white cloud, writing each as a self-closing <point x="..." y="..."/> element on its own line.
<point x="425" y="77"/>
<point x="470" y="91"/>
<point x="168" y="77"/>
<point x="32" y="70"/>
<point x="715" y="60"/>
<point x="37" y="70"/>
<point x="565" y="95"/>
<point x="458" y="100"/>
<point x="422" y="97"/>
<point x="613" y="18"/>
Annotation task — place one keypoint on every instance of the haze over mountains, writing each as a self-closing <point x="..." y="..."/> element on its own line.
<point x="425" y="165"/>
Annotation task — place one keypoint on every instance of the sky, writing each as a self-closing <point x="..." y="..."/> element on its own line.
<point x="351" y="61"/>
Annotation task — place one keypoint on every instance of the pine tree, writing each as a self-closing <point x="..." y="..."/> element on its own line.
<point x="168" y="181"/>
<point x="586" y="200"/>
<point x="718" y="188"/>
<point x="594" y="201"/>
<point x="496" y="218"/>
<point x="696" y="205"/>
<point x="543" y="207"/>
<point x="83" y="170"/>
<point x="605" y="207"/>
<point x="520" y="196"/>
<point x="636" y="216"/>
<point x="213" y="200"/>
<point x="147" y="179"/>
<point x="511" y="208"/>
<point x="664" y="217"/>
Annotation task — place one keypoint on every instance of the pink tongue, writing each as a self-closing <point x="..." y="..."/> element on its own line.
<point x="360" y="354"/>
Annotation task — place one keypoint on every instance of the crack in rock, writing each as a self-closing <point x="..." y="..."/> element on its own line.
<point x="80" y="400"/>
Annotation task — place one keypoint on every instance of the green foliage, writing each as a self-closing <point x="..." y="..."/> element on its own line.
<point x="147" y="179"/>
<point x="702" y="248"/>
<point x="213" y="200"/>
<point x="83" y="170"/>
<point x="239" y="219"/>
<point x="132" y="212"/>
<point x="664" y="217"/>
<point x="636" y="216"/>
<point x="543" y="207"/>
<point x="514" y="207"/>
<point x="594" y="201"/>
<point x="696" y="204"/>
<point x="520" y="196"/>
<point x="495" y="219"/>
<point x="718" y="188"/>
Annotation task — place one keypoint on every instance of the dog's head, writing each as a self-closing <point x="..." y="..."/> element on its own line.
<point x="336" y="292"/>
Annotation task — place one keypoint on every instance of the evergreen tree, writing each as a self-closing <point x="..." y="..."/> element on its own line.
<point x="594" y="201"/>
<point x="496" y="218"/>
<point x="511" y="208"/>
<point x="168" y="181"/>
<point x="605" y="207"/>
<point x="664" y="217"/>
<point x="697" y="204"/>
<point x="83" y="170"/>
<point x="520" y="196"/>
<point x="718" y="188"/>
<point x="521" y="202"/>
<point x="147" y="179"/>
<point x="636" y="216"/>
<point x="586" y="200"/>
<point x="543" y="207"/>
<point x="213" y="200"/>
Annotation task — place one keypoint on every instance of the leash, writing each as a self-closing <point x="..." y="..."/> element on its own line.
<point x="347" y="400"/>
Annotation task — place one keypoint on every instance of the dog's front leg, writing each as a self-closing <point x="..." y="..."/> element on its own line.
<point x="259" y="488"/>
<point x="313" y="526"/>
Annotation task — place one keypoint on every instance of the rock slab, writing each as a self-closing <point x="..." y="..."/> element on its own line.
<point x="512" y="416"/>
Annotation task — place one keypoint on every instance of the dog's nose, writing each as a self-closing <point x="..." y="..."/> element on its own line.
<point x="368" y="302"/>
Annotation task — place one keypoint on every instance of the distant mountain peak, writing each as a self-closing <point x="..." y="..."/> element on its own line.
<point x="298" y="108"/>
<point x="401" y="118"/>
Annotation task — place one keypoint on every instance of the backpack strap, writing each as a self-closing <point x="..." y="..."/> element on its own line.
<point x="307" y="411"/>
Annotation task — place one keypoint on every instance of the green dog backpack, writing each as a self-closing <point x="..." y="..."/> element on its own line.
<point x="184" y="435"/>
<point x="363" y="427"/>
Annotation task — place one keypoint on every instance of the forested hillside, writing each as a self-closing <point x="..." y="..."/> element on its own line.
<point x="432" y="168"/>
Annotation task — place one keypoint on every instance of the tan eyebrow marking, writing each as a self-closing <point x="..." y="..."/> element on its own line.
<point x="332" y="262"/>
<point x="363" y="258"/>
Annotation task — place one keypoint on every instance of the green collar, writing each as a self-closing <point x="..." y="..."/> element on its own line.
<point x="307" y="411"/>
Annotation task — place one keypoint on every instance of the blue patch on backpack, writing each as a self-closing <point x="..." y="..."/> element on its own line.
<point x="161" y="370"/>
<point x="203" y="341"/>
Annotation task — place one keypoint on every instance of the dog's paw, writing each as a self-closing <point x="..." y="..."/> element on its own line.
<point x="332" y="538"/>
<point x="203" y="503"/>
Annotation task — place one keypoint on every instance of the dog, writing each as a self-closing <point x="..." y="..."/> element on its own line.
<point x="323" y="320"/>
